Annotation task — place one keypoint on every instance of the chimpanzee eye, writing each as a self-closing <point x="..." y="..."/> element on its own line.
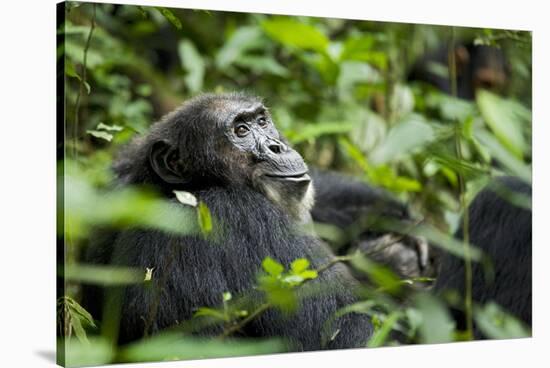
<point x="262" y="121"/>
<point x="241" y="130"/>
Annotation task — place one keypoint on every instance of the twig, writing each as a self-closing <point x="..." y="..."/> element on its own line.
<point x="462" y="187"/>
<point x="262" y="308"/>
<point x="82" y="81"/>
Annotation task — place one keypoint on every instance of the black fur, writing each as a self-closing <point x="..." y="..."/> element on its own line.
<point x="346" y="202"/>
<point x="197" y="270"/>
<point x="502" y="231"/>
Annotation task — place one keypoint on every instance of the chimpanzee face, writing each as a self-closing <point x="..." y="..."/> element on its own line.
<point x="275" y="169"/>
<point x="230" y="140"/>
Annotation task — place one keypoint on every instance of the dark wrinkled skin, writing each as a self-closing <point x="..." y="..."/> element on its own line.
<point x="258" y="187"/>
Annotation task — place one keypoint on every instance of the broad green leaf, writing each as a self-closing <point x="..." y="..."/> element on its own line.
<point x="381" y="335"/>
<point x="101" y="134"/>
<point x="73" y="353"/>
<point x="436" y="325"/>
<point x="262" y="64"/>
<point x="505" y="118"/>
<point x="175" y="347"/>
<point x="272" y="267"/>
<point x="299" y="265"/>
<point x="194" y="65"/>
<point x="495" y="323"/>
<point x="312" y="131"/>
<point x="110" y="128"/>
<point x="205" y="218"/>
<point x="353" y="72"/>
<point x="308" y="274"/>
<point x="103" y="275"/>
<point x="129" y="207"/>
<point x="170" y="16"/>
<point x="291" y="32"/>
<point x="242" y="40"/>
<point x="210" y="312"/>
<point x="402" y="139"/>
<point x="504" y="156"/>
<point x="84" y="315"/>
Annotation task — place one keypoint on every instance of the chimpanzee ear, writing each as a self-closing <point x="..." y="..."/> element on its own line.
<point x="163" y="158"/>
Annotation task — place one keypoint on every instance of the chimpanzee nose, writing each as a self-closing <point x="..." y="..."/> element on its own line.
<point x="275" y="147"/>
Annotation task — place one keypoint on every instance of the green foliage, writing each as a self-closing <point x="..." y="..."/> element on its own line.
<point x="338" y="90"/>
<point x="204" y="218"/>
<point x="167" y="347"/>
<point x="495" y="323"/>
<point x="73" y="318"/>
<point x="293" y="33"/>
<point x="278" y="285"/>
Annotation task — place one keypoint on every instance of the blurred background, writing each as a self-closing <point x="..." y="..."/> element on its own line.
<point x="383" y="102"/>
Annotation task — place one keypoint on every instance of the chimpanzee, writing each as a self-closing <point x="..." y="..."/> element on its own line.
<point x="225" y="150"/>
<point x="477" y="66"/>
<point x="501" y="229"/>
<point x="354" y="206"/>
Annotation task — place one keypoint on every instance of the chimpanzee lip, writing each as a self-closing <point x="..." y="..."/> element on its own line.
<point x="294" y="176"/>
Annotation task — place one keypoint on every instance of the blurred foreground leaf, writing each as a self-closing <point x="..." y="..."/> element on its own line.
<point x="495" y="323"/>
<point x="86" y="206"/>
<point x="506" y="119"/>
<point x="170" y="16"/>
<point x="72" y="353"/>
<point x="436" y="324"/>
<point x="291" y="32"/>
<point x="174" y="346"/>
<point x="194" y="65"/>
<point x="103" y="275"/>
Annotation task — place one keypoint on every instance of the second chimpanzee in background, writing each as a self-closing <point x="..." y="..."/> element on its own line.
<point x="477" y="66"/>
<point x="499" y="226"/>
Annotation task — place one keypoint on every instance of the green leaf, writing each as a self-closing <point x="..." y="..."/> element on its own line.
<point x="299" y="265"/>
<point x="170" y="16"/>
<point x="97" y="351"/>
<point x="495" y="323"/>
<point x="504" y="156"/>
<point x="312" y="131"/>
<point x="210" y="312"/>
<point x="381" y="335"/>
<point x="505" y="118"/>
<point x="291" y="32"/>
<point x="272" y="267"/>
<point x="226" y="296"/>
<point x="262" y="65"/>
<point x="83" y="314"/>
<point x="103" y="275"/>
<point x="309" y="274"/>
<point x="437" y="326"/>
<point x="70" y="71"/>
<point x="110" y="128"/>
<point x="174" y="346"/>
<point x="402" y="139"/>
<point x="101" y="134"/>
<point x="194" y="65"/>
<point x="242" y="40"/>
<point x="353" y="72"/>
<point x="205" y="218"/>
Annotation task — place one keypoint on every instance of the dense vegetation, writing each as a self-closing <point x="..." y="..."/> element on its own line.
<point x="339" y="92"/>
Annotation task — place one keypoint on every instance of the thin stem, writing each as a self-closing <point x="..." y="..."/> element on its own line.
<point x="462" y="187"/>
<point x="262" y="308"/>
<point x="82" y="81"/>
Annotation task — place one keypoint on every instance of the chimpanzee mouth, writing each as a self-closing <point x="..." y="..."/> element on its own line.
<point x="290" y="177"/>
